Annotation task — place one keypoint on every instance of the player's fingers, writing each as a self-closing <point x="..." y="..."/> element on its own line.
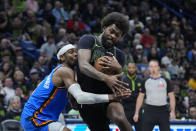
<point x="118" y="85"/>
<point x="107" y="58"/>
<point x="127" y="91"/>
<point x="116" y="89"/>
<point x="114" y="58"/>
<point x="105" y="67"/>
<point x="106" y="61"/>
<point x="103" y="64"/>
<point x="124" y="84"/>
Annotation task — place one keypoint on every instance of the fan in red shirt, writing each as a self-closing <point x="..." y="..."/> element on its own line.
<point x="147" y="39"/>
<point x="75" y="25"/>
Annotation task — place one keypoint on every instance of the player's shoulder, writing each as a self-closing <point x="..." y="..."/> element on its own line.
<point x="86" y="42"/>
<point x="118" y="50"/>
<point x="88" y="37"/>
<point x="65" y="71"/>
<point x="119" y="53"/>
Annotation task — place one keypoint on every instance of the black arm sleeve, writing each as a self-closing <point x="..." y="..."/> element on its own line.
<point x="86" y="42"/>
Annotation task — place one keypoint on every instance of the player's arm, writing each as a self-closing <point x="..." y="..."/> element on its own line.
<point x="84" y="97"/>
<point x="84" y="56"/>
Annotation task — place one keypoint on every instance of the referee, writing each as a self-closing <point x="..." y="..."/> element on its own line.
<point x="156" y="112"/>
<point x="135" y="85"/>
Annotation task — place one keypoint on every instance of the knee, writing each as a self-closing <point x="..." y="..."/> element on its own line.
<point x="118" y="119"/>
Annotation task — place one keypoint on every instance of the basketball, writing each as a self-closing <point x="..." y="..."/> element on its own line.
<point x="99" y="67"/>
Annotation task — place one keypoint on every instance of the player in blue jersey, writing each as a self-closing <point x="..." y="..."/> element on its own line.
<point x="48" y="100"/>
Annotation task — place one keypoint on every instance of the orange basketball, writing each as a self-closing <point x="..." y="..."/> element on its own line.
<point x="100" y="67"/>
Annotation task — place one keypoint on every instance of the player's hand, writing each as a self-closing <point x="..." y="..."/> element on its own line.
<point x="123" y="94"/>
<point x="172" y="116"/>
<point x="110" y="64"/>
<point x="115" y="84"/>
<point x="135" y="117"/>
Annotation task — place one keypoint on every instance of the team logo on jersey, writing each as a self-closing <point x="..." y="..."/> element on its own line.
<point x="139" y="84"/>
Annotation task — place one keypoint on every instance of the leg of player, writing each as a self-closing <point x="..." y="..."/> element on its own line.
<point x="115" y="112"/>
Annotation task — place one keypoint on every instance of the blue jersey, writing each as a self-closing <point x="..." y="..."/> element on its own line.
<point x="46" y="102"/>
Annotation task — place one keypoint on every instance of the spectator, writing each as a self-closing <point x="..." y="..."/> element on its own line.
<point x="128" y="55"/>
<point x="34" y="80"/>
<point x="129" y="104"/>
<point x="19" y="93"/>
<point x="7" y="69"/>
<point x="19" y="81"/>
<point x="74" y="11"/>
<point x="75" y="25"/>
<point x="60" y="14"/>
<point x="2" y="109"/>
<point x="147" y="40"/>
<point x="143" y="65"/>
<point x="48" y="49"/>
<point x="192" y="112"/>
<point x="43" y="68"/>
<point x="8" y="90"/>
<point x="61" y="33"/>
<point x="42" y="38"/>
<point x="5" y="58"/>
<point x="22" y="64"/>
<point x="2" y="77"/>
<point x="17" y="27"/>
<point x="136" y="25"/>
<point x="138" y="53"/>
<point x="192" y="81"/>
<point x="14" y="109"/>
<point x="167" y="59"/>
<point x="32" y="5"/>
<point x="192" y="53"/>
<point x="174" y="68"/>
<point x="4" y="22"/>
<point x="154" y="54"/>
<point x="46" y="13"/>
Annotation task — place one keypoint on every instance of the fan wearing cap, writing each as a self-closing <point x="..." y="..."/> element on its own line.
<point x="42" y="110"/>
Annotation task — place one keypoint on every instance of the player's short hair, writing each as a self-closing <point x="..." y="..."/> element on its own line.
<point x="120" y="20"/>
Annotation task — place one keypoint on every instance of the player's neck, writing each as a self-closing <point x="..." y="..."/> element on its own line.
<point x="67" y="65"/>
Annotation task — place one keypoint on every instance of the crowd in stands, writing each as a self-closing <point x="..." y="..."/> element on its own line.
<point x="42" y="26"/>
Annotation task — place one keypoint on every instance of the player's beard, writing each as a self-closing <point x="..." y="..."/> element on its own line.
<point x="106" y="43"/>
